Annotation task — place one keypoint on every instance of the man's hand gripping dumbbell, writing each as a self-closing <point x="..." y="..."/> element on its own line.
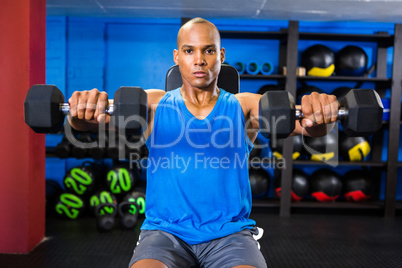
<point x="360" y="113"/>
<point x="45" y="109"/>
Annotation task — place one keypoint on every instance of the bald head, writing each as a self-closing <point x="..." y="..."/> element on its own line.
<point x="187" y="26"/>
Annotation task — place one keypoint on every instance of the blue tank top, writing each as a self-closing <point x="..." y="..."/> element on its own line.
<point x="197" y="171"/>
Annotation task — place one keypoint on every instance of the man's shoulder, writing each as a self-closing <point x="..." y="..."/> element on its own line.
<point x="247" y="97"/>
<point x="154" y="97"/>
<point x="155" y="92"/>
<point x="248" y="101"/>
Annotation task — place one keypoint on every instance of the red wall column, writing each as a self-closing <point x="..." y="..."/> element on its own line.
<point x="22" y="152"/>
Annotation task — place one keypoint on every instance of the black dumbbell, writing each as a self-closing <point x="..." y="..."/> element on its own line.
<point x="105" y="221"/>
<point x="123" y="146"/>
<point x="63" y="148"/>
<point x="128" y="212"/>
<point x="360" y="113"/>
<point x="85" y="144"/>
<point x="99" y="151"/>
<point x="81" y="151"/>
<point x="45" y="109"/>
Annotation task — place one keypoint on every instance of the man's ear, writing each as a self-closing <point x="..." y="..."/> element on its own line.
<point x="223" y="55"/>
<point x="176" y="56"/>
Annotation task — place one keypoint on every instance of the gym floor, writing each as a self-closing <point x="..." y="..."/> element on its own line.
<point x="308" y="238"/>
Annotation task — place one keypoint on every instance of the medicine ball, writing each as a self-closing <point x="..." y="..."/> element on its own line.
<point x="80" y="180"/>
<point x="322" y="148"/>
<point x="53" y="191"/>
<point x="340" y="92"/>
<point x="120" y="179"/>
<point x="277" y="147"/>
<point x="358" y="185"/>
<point x="325" y="185"/>
<point x="353" y="148"/>
<point x="69" y="206"/>
<point x="259" y="182"/>
<point x="318" y="60"/>
<point x="297" y="146"/>
<point x="266" y="88"/>
<point x="300" y="186"/>
<point x="103" y="197"/>
<point x="306" y="90"/>
<point x="137" y="197"/>
<point x="351" y="61"/>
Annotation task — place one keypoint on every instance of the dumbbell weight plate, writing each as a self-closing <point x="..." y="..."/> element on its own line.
<point x="131" y="110"/>
<point x="277" y="114"/>
<point x="42" y="109"/>
<point x="364" y="112"/>
<point x="45" y="109"/>
<point x="360" y="113"/>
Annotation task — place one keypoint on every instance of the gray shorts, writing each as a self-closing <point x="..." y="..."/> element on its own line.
<point x="240" y="248"/>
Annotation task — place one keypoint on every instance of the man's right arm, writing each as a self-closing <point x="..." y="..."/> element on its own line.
<point x="154" y="97"/>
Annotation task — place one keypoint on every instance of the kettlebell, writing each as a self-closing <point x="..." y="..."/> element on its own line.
<point x="105" y="221"/>
<point x="128" y="212"/>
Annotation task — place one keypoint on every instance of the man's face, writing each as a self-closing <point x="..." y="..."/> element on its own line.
<point x="199" y="55"/>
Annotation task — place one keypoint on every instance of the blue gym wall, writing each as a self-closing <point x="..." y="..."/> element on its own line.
<point x="106" y="53"/>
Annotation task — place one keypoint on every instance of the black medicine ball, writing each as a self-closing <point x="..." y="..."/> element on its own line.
<point x="325" y="185"/>
<point x="306" y="90"/>
<point x="297" y="146"/>
<point x="300" y="186"/>
<point x="80" y="180"/>
<point x="340" y="92"/>
<point x="358" y="185"/>
<point x="102" y="197"/>
<point x="69" y="206"/>
<point x="120" y="179"/>
<point x="318" y="61"/>
<point x="353" y="148"/>
<point x="53" y="191"/>
<point x="269" y="87"/>
<point x="322" y="148"/>
<point x="277" y="147"/>
<point x="351" y="61"/>
<point x="259" y="182"/>
<point x="137" y="197"/>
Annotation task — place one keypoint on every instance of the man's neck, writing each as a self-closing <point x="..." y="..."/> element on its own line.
<point x="200" y="97"/>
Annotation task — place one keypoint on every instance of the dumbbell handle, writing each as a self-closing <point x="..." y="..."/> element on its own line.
<point x="342" y="112"/>
<point x="65" y="108"/>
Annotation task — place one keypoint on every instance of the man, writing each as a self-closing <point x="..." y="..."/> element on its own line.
<point x="199" y="197"/>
